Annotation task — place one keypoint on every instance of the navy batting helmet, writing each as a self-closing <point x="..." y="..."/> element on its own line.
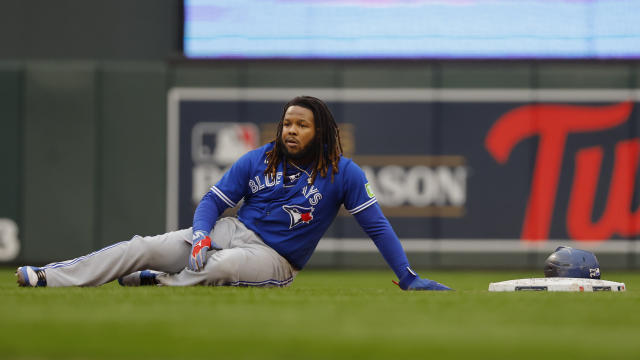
<point x="569" y="262"/>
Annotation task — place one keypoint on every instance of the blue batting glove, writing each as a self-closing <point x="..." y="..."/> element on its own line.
<point x="411" y="281"/>
<point x="200" y="245"/>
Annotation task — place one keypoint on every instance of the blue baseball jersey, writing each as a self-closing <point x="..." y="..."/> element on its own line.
<point x="287" y="212"/>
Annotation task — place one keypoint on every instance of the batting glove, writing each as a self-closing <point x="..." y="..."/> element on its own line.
<point x="200" y="245"/>
<point x="411" y="281"/>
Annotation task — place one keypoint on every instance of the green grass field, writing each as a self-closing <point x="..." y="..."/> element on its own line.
<point x="323" y="315"/>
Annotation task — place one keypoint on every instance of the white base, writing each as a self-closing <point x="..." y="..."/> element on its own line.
<point x="557" y="284"/>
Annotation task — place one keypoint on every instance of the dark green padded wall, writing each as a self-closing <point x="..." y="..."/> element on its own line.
<point x="132" y="150"/>
<point x="10" y="134"/>
<point x="221" y="75"/>
<point x="59" y="159"/>
<point x="485" y="75"/>
<point x="292" y="74"/>
<point x="575" y="75"/>
<point x="387" y="75"/>
<point x="90" y="29"/>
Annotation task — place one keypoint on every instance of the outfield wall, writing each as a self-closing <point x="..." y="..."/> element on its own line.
<point x="84" y="153"/>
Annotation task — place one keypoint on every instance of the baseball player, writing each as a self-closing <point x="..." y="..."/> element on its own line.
<point x="292" y="189"/>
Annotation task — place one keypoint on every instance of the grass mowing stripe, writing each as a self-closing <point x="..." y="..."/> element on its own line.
<point x="324" y="314"/>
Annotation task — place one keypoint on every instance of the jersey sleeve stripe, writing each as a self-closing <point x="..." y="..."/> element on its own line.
<point x="363" y="206"/>
<point x="222" y="196"/>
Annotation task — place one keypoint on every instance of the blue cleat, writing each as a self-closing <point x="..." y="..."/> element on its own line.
<point x="139" y="278"/>
<point x="31" y="276"/>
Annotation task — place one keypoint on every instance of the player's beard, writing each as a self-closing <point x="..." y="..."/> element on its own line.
<point x="304" y="155"/>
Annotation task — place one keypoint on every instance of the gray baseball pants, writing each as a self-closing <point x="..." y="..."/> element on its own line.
<point x="245" y="260"/>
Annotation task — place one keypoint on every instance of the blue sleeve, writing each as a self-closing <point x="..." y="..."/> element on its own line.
<point x="207" y="212"/>
<point x="231" y="188"/>
<point x="357" y="193"/>
<point x="376" y="225"/>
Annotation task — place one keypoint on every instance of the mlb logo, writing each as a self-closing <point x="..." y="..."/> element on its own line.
<point x="222" y="143"/>
<point x="215" y="146"/>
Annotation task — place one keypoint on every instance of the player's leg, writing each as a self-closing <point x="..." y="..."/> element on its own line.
<point x="166" y="252"/>
<point x="248" y="262"/>
<point x="245" y="266"/>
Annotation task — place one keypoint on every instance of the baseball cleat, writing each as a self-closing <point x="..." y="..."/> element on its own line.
<point x="31" y="276"/>
<point x="139" y="278"/>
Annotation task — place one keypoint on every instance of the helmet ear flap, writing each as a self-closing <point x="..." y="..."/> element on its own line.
<point x="550" y="270"/>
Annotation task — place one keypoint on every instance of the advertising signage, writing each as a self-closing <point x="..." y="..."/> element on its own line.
<point x="478" y="169"/>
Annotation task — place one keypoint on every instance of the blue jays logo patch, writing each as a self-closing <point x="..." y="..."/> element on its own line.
<point x="298" y="214"/>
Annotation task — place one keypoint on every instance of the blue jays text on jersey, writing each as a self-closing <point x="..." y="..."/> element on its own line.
<point x="287" y="212"/>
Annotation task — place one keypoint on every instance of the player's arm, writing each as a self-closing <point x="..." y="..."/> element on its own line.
<point x="361" y="202"/>
<point x="208" y="211"/>
<point x="225" y="194"/>
<point x="376" y="225"/>
<point x="206" y="214"/>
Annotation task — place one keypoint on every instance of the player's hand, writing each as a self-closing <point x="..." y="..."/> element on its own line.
<point x="411" y="281"/>
<point x="426" y="284"/>
<point x="200" y="245"/>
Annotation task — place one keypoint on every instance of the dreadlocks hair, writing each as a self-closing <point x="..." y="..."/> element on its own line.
<point x="326" y="146"/>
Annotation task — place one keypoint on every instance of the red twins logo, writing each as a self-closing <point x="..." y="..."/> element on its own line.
<point x="553" y="124"/>
<point x="298" y="214"/>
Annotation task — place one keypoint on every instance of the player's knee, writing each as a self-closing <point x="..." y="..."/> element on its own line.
<point x="221" y="270"/>
<point x="137" y="242"/>
<point x="145" y="248"/>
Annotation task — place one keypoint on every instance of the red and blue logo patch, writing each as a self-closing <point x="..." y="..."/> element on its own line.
<point x="298" y="214"/>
